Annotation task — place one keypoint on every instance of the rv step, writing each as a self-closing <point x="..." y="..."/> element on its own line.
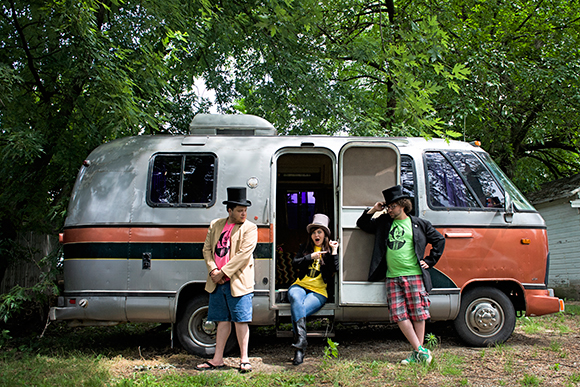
<point x="308" y="334"/>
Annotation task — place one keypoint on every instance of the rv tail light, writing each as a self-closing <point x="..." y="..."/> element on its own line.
<point x="86" y="163"/>
<point x="526" y="241"/>
<point x="561" y="305"/>
<point x="72" y="301"/>
<point x="476" y="143"/>
<point x="61" y="238"/>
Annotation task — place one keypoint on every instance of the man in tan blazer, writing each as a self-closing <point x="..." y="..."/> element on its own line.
<point x="228" y="249"/>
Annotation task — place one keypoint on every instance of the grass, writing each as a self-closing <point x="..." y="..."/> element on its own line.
<point x="93" y="356"/>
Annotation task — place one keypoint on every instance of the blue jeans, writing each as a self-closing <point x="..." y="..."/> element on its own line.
<point x="304" y="302"/>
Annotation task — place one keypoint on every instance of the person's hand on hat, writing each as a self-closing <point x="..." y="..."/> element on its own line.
<point x="333" y="247"/>
<point x="379" y="206"/>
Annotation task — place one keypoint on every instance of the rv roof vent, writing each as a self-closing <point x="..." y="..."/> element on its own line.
<point x="230" y="125"/>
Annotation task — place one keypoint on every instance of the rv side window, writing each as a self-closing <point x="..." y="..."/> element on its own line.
<point x="182" y="180"/>
<point x="478" y="177"/>
<point x="408" y="179"/>
<point x="446" y="188"/>
<point x="408" y="176"/>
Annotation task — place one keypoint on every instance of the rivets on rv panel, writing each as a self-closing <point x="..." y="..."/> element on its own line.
<point x="253" y="182"/>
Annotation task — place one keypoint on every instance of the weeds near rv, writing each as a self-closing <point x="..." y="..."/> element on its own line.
<point x="136" y="355"/>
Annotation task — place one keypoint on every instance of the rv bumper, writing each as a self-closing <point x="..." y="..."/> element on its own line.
<point x="87" y="308"/>
<point x="541" y="302"/>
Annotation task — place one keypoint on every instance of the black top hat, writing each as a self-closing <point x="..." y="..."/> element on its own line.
<point x="393" y="194"/>
<point x="237" y="196"/>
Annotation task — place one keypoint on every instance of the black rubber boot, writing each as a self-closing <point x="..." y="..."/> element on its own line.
<point x="298" y="357"/>
<point x="300" y="328"/>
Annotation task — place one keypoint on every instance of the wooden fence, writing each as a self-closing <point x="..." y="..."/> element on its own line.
<point x="26" y="273"/>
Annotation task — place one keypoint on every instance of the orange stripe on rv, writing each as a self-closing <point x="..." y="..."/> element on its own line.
<point x="148" y="234"/>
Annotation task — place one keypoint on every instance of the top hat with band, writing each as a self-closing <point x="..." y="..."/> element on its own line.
<point x="237" y="196"/>
<point x="319" y="221"/>
<point x="393" y="194"/>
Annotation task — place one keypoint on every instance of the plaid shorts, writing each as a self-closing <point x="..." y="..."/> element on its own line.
<point x="407" y="298"/>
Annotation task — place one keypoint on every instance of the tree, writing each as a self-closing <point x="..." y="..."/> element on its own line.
<point x="364" y="67"/>
<point x="72" y="76"/>
<point x="523" y="96"/>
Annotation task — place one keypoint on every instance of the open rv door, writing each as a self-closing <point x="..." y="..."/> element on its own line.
<point x="365" y="170"/>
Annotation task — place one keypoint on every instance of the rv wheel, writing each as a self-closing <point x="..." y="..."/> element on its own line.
<point x="195" y="333"/>
<point x="486" y="317"/>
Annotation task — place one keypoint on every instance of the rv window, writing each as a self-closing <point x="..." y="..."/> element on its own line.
<point x="299" y="209"/>
<point x="520" y="201"/>
<point x="408" y="180"/>
<point x="478" y="177"/>
<point x="408" y="176"/>
<point x="446" y="188"/>
<point x="182" y="180"/>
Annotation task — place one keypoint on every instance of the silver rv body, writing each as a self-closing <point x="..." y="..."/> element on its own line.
<point x="141" y="206"/>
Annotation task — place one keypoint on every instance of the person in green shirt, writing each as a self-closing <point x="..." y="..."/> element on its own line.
<point x="399" y="255"/>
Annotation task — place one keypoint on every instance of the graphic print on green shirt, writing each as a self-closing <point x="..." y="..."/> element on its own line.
<point x="401" y="259"/>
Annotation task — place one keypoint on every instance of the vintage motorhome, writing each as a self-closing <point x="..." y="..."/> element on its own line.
<point x="141" y="207"/>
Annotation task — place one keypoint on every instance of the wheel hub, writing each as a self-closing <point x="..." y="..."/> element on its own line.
<point x="484" y="318"/>
<point x="209" y="327"/>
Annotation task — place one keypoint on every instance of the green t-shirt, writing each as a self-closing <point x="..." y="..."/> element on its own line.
<point x="401" y="259"/>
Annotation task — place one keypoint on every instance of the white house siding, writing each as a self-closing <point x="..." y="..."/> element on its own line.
<point x="563" y="224"/>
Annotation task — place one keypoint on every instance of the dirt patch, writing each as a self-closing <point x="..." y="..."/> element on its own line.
<point x="550" y="353"/>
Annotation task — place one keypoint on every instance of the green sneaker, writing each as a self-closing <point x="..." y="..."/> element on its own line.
<point x="424" y="355"/>
<point x="411" y="359"/>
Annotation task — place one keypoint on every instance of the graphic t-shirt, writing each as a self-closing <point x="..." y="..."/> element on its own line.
<point x="222" y="249"/>
<point x="401" y="259"/>
<point x="313" y="279"/>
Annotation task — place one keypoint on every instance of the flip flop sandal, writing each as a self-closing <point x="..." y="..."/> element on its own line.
<point x="245" y="367"/>
<point x="207" y="366"/>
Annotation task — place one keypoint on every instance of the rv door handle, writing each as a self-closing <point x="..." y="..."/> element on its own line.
<point x="458" y="235"/>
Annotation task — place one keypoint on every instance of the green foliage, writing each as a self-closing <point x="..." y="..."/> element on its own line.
<point x="431" y="341"/>
<point x="573" y="310"/>
<point x="531" y="325"/>
<point x="575" y="378"/>
<point x="331" y="351"/>
<point x="4" y="337"/>
<point x="530" y="380"/>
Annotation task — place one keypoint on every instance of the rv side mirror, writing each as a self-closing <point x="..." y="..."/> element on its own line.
<point x="509" y="209"/>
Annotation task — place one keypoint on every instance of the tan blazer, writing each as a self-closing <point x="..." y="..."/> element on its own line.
<point x="240" y="268"/>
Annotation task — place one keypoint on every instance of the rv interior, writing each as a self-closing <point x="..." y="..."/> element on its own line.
<point x="304" y="187"/>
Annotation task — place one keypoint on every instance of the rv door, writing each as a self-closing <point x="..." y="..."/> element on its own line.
<point x="365" y="170"/>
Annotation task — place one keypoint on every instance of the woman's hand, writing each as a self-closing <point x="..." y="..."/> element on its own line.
<point x="423" y="264"/>
<point x="333" y="247"/>
<point x="317" y="256"/>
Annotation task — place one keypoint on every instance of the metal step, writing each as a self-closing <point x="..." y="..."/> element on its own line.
<point x="308" y="334"/>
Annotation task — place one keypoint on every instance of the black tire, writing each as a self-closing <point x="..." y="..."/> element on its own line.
<point x="486" y="317"/>
<point x="196" y="334"/>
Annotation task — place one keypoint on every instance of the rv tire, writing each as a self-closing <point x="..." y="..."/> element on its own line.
<point x="195" y="333"/>
<point x="486" y="317"/>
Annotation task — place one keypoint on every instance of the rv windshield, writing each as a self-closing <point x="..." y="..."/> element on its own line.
<point x="520" y="201"/>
